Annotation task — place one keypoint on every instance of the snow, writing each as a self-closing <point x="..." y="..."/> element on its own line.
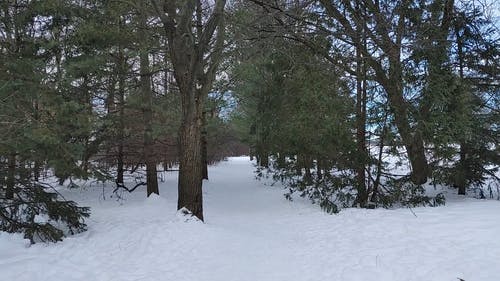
<point x="252" y="233"/>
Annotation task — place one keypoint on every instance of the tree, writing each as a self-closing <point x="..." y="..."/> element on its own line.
<point x="295" y="110"/>
<point x="195" y="49"/>
<point x="37" y="120"/>
<point x="387" y="36"/>
<point x="464" y="127"/>
<point x="397" y="54"/>
<point x="147" y="95"/>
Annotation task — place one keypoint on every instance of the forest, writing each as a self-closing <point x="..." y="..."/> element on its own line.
<point x="348" y="104"/>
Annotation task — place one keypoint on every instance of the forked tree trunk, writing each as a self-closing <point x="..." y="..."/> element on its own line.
<point x="412" y="138"/>
<point x="195" y="57"/>
<point x="391" y="79"/>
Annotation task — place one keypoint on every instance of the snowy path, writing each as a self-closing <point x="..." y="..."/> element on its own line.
<point x="252" y="233"/>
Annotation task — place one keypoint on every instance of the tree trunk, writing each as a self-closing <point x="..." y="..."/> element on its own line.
<point x="121" y="116"/>
<point x="36" y="117"/>
<point x="319" y="166"/>
<point x="307" y="164"/>
<point x="36" y="170"/>
<point x="281" y="161"/>
<point x="195" y="58"/>
<point x="11" y="176"/>
<point x="204" y="151"/>
<point x="416" y="153"/>
<point x="147" y="93"/>
<point x="461" y="178"/>
<point x="362" y="194"/>
<point x="190" y="170"/>
<point x="412" y="139"/>
<point x="376" y="184"/>
<point x="119" y="164"/>
<point x="263" y="159"/>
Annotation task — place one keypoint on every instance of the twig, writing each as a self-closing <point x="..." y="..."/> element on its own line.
<point x="121" y="185"/>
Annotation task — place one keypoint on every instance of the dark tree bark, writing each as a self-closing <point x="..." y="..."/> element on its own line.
<point x="262" y="157"/>
<point x="37" y="163"/>
<point x="412" y="139"/>
<point x="362" y="194"/>
<point x="376" y="183"/>
<point x="204" y="133"/>
<point x="147" y="95"/>
<point x="307" y="164"/>
<point x="36" y="170"/>
<point x="461" y="177"/>
<point x="281" y="161"/>
<point x="119" y="164"/>
<point x="115" y="105"/>
<point x="121" y="121"/>
<point x="11" y="176"/>
<point x="319" y="167"/>
<point x="190" y="170"/>
<point x="204" y="146"/>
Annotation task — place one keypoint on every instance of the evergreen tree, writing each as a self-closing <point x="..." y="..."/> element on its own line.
<point x="298" y="117"/>
<point x="37" y="117"/>
<point x="465" y="125"/>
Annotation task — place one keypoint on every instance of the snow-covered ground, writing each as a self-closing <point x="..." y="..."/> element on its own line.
<point x="252" y="233"/>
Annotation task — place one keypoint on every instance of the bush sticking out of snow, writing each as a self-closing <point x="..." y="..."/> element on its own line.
<point x="336" y="190"/>
<point x="401" y="192"/>
<point x="41" y="215"/>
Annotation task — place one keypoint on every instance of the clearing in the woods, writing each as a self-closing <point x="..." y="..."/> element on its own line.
<point x="253" y="233"/>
